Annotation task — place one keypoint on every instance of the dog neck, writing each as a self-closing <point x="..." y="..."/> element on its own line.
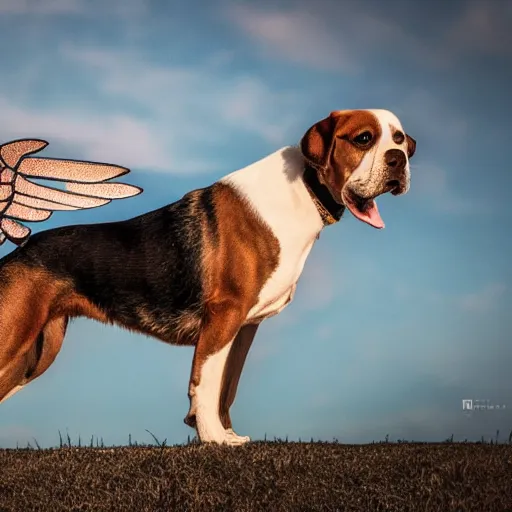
<point x="330" y="210"/>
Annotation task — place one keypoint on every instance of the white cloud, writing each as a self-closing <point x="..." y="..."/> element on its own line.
<point x="193" y="99"/>
<point x="179" y="109"/>
<point x="250" y="98"/>
<point x="192" y="105"/>
<point x="297" y="35"/>
<point x="335" y="36"/>
<point x="115" y="139"/>
<point x="339" y="36"/>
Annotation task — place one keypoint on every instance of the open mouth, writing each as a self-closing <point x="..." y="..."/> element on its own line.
<point x="365" y="209"/>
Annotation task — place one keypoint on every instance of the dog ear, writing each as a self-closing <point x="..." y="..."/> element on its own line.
<point x="411" y="146"/>
<point x="316" y="144"/>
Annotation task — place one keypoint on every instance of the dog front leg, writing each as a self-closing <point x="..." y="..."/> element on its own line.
<point x="210" y="356"/>
<point x="232" y="371"/>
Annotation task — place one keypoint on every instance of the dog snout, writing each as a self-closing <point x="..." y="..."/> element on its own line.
<point x="396" y="162"/>
<point x="395" y="159"/>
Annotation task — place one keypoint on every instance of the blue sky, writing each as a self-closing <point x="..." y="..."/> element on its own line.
<point x="389" y="329"/>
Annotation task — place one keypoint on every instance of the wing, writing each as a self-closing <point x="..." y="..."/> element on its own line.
<point x="24" y="200"/>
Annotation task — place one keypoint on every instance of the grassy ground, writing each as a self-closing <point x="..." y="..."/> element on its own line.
<point x="270" y="476"/>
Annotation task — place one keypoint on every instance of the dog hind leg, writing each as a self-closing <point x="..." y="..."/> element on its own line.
<point x="29" y="341"/>
<point x="27" y="367"/>
<point x="11" y="379"/>
<point x="46" y="348"/>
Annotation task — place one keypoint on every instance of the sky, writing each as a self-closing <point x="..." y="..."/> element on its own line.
<point x="389" y="330"/>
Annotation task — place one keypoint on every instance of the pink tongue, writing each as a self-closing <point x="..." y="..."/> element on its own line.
<point x="370" y="216"/>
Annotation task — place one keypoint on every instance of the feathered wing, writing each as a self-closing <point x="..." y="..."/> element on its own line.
<point x="24" y="200"/>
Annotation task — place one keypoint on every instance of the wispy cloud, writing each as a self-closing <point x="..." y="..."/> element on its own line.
<point x="93" y="8"/>
<point x="477" y="301"/>
<point x="484" y="27"/>
<point x="112" y="138"/>
<point x="193" y="94"/>
<point x="428" y="112"/>
<point x="423" y="114"/>
<point x="334" y="36"/>
<point x="37" y="7"/>
<point x="172" y="110"/>
<point x="339" y="36"/>
<point x="297" y="36"/>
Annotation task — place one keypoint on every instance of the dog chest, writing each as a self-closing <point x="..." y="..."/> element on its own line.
<point x="279" y="290"/>
<point x="272" y="307"/>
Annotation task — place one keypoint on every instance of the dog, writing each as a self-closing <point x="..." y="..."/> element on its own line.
<point x="206" y="270"/>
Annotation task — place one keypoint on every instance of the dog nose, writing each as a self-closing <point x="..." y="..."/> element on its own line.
<point x="395" y="159"/>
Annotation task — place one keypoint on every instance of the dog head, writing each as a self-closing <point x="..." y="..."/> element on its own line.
<point x="359" y="155"/>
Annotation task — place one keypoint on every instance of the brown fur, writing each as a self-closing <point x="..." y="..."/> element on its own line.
<point x="26" y="318"/>
<point x="48" y="345"/>
<point x="326" y="146"/>
<point x="233" y="370"/>
<point x="411" y="146"/>
<point x="34" y="318"/>
<point x="222" y="268"/>
<point x="236" y="266"/>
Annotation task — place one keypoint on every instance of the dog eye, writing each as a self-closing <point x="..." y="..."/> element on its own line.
<point x="363" y="139"/>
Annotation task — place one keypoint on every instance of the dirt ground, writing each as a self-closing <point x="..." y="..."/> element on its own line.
<point x="270" y="476"/>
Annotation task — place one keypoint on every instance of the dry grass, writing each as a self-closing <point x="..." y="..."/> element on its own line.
<point x="270" y="476"/>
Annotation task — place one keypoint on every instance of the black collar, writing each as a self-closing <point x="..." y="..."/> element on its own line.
<point x="330" y="210"/>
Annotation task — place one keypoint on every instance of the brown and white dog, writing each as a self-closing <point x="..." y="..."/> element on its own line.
<point x="207" y="269"/>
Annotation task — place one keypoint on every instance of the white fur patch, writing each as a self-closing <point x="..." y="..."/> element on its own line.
<point x="274" y="189"/>
<point x="206" y="398"/>
<point x="12" y="392"/>
<point x="372" y="170"/>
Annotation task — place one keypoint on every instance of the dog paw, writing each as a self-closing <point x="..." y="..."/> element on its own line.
<point x="221" y="436"/>
<point x="210" y="432"/>
<point x="233" y="439"/>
